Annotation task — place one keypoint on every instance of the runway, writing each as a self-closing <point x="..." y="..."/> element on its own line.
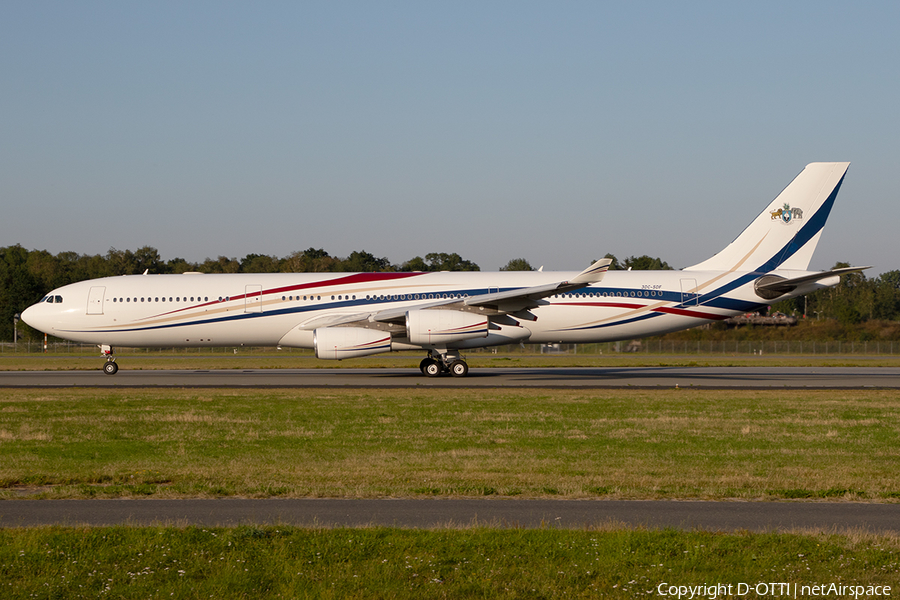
<point x="592" y="377"/>
<point x="426" y="514"/>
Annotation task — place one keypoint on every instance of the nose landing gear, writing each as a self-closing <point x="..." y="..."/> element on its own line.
<point x="110" y="368"/>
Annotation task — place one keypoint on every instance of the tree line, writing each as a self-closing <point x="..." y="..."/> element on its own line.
<point x="27" y="275"/>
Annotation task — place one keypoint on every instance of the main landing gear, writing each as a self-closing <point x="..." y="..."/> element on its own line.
<point x="438" y="363"/>
<point x="110" y="368"/>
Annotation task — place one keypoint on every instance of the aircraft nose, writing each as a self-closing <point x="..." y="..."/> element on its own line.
<point x="31" y="315"/>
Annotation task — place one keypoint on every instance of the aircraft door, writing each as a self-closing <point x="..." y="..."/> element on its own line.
<point x="253" y="299"/>
<point x="95" y="300"/>
<point x="689" y="295"/>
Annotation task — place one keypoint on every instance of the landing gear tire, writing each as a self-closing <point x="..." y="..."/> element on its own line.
<point x="424" y="364"/>
<point x="110" y="368"/>
<point x="459" y="368"/>
<point x="431" y="367"/>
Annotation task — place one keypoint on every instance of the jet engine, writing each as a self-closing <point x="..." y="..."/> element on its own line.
<point x="443" y="327"/>
<point x="335" y="343"/>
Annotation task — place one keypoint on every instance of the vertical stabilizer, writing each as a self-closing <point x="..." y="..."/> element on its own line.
<point x="786" y="233"/>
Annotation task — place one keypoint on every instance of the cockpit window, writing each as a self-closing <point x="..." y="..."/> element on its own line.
<point x="57" y="299"/>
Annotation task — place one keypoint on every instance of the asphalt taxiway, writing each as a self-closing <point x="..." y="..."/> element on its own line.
<point x="590" y="377"/>
<point x="425" y="514"/>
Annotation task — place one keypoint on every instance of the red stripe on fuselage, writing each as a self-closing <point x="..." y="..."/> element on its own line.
<point x="690" y="313"/>
<point x="348" y="280"/>
<point x="663" y="309"/>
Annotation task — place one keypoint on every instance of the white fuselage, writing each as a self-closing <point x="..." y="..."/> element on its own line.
<point x="278" y="309"/>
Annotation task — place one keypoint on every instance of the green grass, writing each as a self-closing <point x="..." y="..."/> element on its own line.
<point x="702" y="444"/>
<point x="287" y="562"/>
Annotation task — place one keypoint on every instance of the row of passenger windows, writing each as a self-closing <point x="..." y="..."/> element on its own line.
<point x="638" y="294"/>
<point x="163" y="299"/>
<point x="389" y="297"/>
<point x="377" y="297"/>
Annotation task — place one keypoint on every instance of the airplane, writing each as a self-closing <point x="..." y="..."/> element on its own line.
<point x="346" y="315"/>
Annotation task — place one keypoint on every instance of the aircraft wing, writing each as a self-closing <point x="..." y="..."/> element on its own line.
<point x="498" y="303"/>
<point x="529" y="296"/>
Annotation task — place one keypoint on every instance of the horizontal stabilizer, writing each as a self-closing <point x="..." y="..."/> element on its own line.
<point x="770" y="287"/>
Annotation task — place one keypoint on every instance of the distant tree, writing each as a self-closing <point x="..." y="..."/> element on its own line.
<point x="414" y="264"/>
<point x="646" y="263"/>
<point x="260" y="263"/>
<point x="48" y="271"/>
<point x="887" y="295"/>
<point x="18" y="287"/>
<point x="362" y="261"/>
<point x="147" y="259"/>
<point x="180" y="265"/>
<point x="121" y="262"/>
<point x="223" y="264"/>
<point x="440" y="261"/>
<point x="517" y="264"/>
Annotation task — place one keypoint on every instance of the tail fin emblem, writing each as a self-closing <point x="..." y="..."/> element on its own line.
<point x="787" y="214"/>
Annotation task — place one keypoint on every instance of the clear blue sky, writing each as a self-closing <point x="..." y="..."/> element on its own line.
<point x="556" y="132"/>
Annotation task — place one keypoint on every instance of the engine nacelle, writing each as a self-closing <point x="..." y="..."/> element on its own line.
<point x="444" y="327"/>
<point x="335" y="343"/>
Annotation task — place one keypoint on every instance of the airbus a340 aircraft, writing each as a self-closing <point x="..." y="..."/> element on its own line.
<point x="346" y="315"/>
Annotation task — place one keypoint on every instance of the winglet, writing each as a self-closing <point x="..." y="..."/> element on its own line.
<point x="593" y="274"/>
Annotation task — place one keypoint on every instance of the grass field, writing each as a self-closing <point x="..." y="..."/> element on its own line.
<point x="286" y="562"/>
<point x="81" y="443"/>
<point x="769" y="445"/>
